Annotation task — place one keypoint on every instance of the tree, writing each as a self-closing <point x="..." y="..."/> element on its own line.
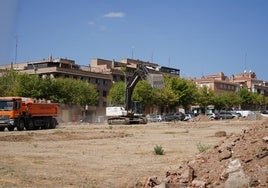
<point x="143" y="92"/>
<point x="71" y="91"/>
<point x="9" y="83"/>
<point x="116" y="94"/>
<point x="166" y="95"/>
<point x="205" y="97"/>
<point x="245" y="98"/>
<point x="61" y="90"/>
<point x="29" y="86"/>
<point x="186" y="91"/>
<point x="226" y="100"/>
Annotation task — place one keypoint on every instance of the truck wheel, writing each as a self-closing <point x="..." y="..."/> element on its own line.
<point x="11" y="128"/>
<point x="21" y="124"/>
<point x="29" y="125"/>
<point x="53" y="123"/>
<point x="2" y="129"/>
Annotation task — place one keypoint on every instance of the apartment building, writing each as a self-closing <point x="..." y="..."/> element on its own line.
<point x="249" y="80"/>
<point x="101" y="73"/>
<point x="221" y="83"/>
<point x="218" y="83"/>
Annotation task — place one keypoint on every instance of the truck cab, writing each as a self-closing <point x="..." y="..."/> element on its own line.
<point x="10" y="109"/>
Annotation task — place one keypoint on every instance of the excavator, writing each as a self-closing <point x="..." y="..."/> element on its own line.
<point x="130" y="113"/>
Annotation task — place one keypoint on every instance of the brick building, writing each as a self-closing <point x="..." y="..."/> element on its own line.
<point x="221" y="83"/>
<point x="218" y="83"/>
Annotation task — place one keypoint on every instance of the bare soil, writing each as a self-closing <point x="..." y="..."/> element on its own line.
<point x="99" y="155"/>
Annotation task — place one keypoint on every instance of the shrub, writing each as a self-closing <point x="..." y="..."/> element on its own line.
<point x="158" y="150"/>
<point x="202" y="148"/>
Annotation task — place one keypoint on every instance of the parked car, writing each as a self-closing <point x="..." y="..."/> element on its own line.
<point x="189" y="117"/>
<point x="155" y="118"/>
<point x="213" y="115"/>
<point x="226" y="115"/>
<point x="245" y="113"/>
<point x="236" y="114"/>
<point x="179" y="116"/>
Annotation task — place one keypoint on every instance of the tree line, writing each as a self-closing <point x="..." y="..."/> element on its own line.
<point x="180" y="92"/>
<point x="59" y="90"/>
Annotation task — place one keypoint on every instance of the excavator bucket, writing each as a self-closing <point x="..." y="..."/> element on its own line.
<point x="156" y="80"/>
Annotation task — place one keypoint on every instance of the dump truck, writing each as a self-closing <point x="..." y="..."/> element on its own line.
<point x="25" y="113"/>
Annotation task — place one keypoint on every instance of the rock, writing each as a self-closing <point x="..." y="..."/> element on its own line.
<point x="234" y="165"/>
<point x="187" y="175"/>
<point x="265" y="139"/>
<point x="224" y="154"/>
<point x="235" y="175"/>
<point x="151" y="182"/>
<point x="198" y="183"/>
<point x="220" y="134"/>
<point x="237" y="180"/>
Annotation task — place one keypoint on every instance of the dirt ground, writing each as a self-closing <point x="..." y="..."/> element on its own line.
<point x="101" y="156"/>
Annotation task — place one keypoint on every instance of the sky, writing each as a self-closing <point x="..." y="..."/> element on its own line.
<point x="199" y="37"/>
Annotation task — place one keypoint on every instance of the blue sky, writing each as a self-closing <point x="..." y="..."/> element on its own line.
<point x="199" y="37"/>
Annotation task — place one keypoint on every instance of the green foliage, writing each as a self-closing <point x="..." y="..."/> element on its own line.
<point x="186" y="91"/>
<point x="226" y="100"/>
<point x="158" y="150"/>
<point x="9" y="83"/>
<point x="247" y="98"/>
<point x="205" y="96"/>
<point x="117" y="93"/>
<point x="29" y="86"/>
<point x="202" y="148"/>
<point x="143" y="92"/>
<point x="61" y="90"/>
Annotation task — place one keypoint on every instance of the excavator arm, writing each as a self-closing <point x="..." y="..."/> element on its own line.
<point x="140" y="74"/>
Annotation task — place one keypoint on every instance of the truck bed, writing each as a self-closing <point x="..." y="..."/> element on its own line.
<point x="42" y="109"/>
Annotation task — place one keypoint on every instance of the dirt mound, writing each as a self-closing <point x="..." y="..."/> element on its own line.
<point x="202" y="118"/>
<point x="239" y="161"/>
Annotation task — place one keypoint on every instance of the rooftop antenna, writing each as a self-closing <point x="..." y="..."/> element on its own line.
<point x="245" y="63"/>
<point x="169" y="61"/>
<point x="16" y="49"/>
<point x="132" y="52"/>
<point x="152" y="58"/>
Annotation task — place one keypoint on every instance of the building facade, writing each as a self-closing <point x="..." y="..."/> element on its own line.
<point x="101" y="73"/>
<point x="221" y="83"/>
<point x="218" y="83"/>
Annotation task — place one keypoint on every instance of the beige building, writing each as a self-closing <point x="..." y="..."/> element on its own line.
<point x="101" y="73"/>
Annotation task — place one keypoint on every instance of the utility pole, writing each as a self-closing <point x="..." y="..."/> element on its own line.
<point x="16" y="49"/>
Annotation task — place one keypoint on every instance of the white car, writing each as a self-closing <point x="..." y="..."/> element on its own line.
<point x="155" y="118"/>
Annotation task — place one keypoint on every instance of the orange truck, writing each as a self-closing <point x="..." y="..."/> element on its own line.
<point x="24" y="113"/>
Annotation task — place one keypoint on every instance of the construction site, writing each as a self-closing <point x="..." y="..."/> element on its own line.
<point x="197" y="153"/>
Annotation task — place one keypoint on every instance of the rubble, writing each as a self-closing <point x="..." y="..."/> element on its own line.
<point x="237" y="162"/>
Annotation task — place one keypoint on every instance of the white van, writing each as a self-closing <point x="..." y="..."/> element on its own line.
<point x="245" y="113"/>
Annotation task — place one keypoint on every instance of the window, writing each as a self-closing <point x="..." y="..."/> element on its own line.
<point x="97" y="81"/>
<point x="104" y="104"/>
<point x="122" y="78"/>
<point x="104" y="93"/>
<point x="105" y="82"/>
<point x="114" y="78"/>
<point x="91" y="80"/>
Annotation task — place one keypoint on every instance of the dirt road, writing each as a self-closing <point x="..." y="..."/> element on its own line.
<point x="86" y="155"/>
